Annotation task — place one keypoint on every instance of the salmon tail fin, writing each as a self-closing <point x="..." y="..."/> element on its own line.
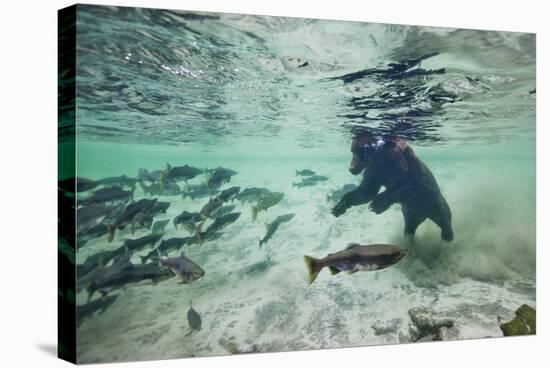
<point x="159" y="256"/>
<point x="132" y="190"/>
<point x="91" y="289"/>
<point x="162" y="182"/>
<point x="254" y="213"/>
<point x="143" y="187"/>
<point x="186" y="189"/>
<point x="200" y="236"/>
<point x="199" y="227"/>
<point x="111" y="235"/>
<point x="190" y="227"/>
<point x="312" y="265"/>
<point x="198" y="231"/>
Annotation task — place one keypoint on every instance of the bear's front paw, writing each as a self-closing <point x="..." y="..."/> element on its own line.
<point x="379" y="204"/>
<point x="339" y="209"/>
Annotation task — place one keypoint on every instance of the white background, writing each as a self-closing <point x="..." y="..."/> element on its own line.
<point x="28" y="118"/>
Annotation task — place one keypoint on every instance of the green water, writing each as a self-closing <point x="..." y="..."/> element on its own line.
<point x="157" y="87"/>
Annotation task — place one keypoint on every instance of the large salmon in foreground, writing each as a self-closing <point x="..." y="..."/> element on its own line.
<point x="356" y="258"/>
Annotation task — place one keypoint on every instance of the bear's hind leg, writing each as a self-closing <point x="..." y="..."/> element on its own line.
<point x="412" y="221"/>
<point x="444" y="222"/>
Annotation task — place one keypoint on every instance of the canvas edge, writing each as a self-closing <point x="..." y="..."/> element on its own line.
<point x="66" y="277"/>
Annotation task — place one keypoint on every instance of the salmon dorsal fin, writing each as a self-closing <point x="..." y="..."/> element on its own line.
<point x="352" y="245"/>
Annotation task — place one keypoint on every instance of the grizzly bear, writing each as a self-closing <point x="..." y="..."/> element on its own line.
<point x="392" y="164"/>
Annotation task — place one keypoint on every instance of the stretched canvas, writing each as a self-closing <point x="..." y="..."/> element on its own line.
<point x="234" y="183"/>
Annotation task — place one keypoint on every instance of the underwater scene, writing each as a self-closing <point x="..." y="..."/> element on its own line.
<point x="261" y="184"/>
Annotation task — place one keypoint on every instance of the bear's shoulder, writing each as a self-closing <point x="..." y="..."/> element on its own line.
<point x="393" y="157"/>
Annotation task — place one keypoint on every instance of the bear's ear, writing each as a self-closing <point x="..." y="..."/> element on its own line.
<point x="362" y="142"/>
<point x="392" y="138"/>
<point x="363" y="135"/>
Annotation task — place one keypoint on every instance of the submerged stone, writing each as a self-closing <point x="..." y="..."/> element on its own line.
<point x="383" y="327"/>
<point x="427" y="325"/>
<point x="524" y="323"/>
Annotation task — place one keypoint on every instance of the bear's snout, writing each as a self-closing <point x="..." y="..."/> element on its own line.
<point x="355" y="167"/>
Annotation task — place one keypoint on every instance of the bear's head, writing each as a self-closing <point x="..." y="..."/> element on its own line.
<point x="364" y="148"/>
